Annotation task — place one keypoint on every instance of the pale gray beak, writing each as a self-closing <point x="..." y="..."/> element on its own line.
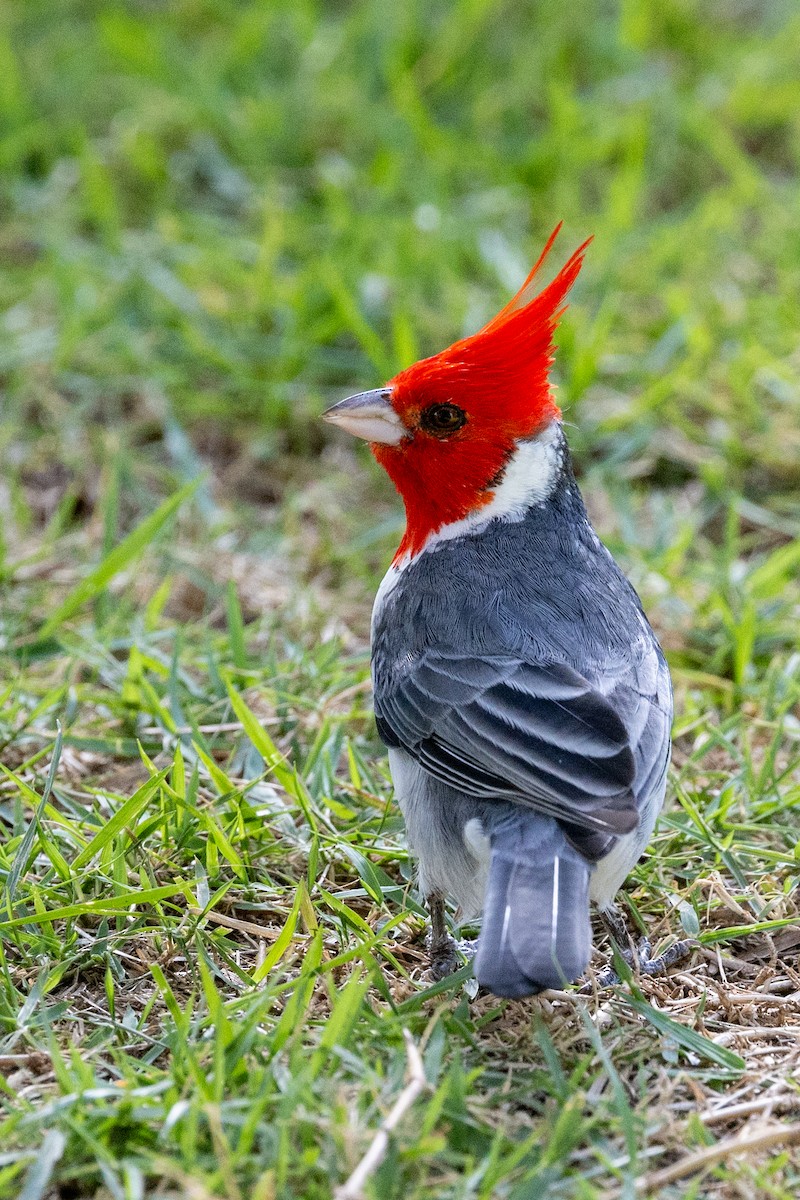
<point x="369" y="415"/>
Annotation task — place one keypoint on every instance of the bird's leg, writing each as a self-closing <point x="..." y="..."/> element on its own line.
<point x="444" y="960"/>
<point x="637" y="955"/>
<point x="617" y="928"/>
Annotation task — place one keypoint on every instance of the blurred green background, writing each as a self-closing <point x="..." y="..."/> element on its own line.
<point x="219" y="217"/>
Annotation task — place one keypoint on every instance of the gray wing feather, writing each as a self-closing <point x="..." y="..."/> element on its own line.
<point x="540" y="734"/>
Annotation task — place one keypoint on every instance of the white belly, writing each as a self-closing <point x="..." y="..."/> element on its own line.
<point x="445" y="834"/>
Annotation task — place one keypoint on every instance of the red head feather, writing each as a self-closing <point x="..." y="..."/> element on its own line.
<point x="499" y="378"/>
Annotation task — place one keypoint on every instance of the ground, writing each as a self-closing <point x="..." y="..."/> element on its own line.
<point x="217" y="218"/>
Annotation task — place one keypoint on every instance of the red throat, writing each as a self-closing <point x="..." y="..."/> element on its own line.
<point x="499" y="377"/>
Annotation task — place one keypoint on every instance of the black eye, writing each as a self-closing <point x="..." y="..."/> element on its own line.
<point x="442" y="419"/>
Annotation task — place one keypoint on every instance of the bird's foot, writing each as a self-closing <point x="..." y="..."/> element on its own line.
<point x="443" y="957"/>
<point x="468" y="947"/>
<point x="638" y="957"/>
<point x="641" y="963"/>
<point x="446" y="955"/>
<point x="673" y="954"/>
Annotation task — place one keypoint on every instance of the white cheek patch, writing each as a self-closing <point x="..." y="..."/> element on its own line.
<point x="529" y="477"/>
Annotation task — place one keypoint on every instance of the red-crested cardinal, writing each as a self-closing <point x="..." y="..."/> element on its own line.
<point x="520" y="690"/>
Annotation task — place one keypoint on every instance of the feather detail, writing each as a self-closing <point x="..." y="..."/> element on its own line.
<point x="526" y="294"/>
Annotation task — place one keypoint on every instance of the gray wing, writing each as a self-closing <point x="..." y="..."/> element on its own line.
<point x="537" y="733"/>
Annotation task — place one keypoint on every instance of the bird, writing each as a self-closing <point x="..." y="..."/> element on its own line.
<point x="522" y="694"/>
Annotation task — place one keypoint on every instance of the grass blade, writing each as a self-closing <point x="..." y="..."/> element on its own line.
<point x="26" y="844"/>
<point x="119" y="558"/>
<point x="690" y="1039"/>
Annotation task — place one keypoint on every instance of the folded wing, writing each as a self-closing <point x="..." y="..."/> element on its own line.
<point x="537" y="733"/>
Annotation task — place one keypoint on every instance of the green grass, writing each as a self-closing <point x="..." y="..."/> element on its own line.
<point x="215" y="218"/>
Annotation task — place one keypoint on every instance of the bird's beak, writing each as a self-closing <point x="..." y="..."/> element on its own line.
<point x="369" y="415"/>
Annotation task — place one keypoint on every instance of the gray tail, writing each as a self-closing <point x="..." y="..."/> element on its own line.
<point x="536" y="932"/>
